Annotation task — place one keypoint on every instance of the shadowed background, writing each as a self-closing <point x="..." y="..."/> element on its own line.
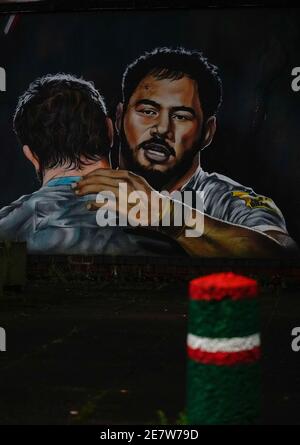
<point x="257" y="141"/>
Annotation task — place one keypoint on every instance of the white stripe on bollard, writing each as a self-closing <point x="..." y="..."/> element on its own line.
<point x="234" y="344"/>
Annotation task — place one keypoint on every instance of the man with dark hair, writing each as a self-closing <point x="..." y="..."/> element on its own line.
<point x="63" y="127"/>
<point x="168" y="115"/>
<point x="61" y="121"/>
<point x="177" y="78"/>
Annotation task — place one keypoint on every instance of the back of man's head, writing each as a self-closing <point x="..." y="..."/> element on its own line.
<point x="63" y="120"/>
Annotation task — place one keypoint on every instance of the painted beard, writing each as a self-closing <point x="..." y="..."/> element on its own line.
<point x="156" y="179"/>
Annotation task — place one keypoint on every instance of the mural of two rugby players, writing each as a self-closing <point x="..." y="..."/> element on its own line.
<point x="156" y="200"/>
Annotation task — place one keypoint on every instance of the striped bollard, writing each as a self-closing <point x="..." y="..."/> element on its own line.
<point x="223" y="347"/>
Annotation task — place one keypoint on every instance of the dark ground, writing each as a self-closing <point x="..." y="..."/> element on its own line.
<point x="108" y="353"/>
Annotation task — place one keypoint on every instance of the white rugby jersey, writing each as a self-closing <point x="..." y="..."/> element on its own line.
<point x="232" y="202"/>
<point x="53" y="220"/>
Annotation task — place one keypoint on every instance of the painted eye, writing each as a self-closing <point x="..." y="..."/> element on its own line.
<point x="181" y="117"/>
<point x="149" y="112"/>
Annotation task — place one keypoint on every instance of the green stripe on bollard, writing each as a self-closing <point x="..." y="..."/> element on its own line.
<point x="226" y="318"/>
<point x="223" y="347"/>
<point x="220" y="395"/>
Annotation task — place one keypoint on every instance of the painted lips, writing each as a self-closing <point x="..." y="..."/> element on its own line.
<point x="157" y="153"/>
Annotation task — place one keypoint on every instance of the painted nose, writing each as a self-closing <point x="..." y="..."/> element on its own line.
<point x="162" y="127"/>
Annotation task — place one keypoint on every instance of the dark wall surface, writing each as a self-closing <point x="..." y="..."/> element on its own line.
<point x="257" y="142"/>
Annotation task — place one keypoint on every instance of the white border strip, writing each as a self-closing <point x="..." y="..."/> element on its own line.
<point x="9" y="23"/>
<point x="234" y="344"/>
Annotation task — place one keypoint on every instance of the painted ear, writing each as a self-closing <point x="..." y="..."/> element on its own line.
<point x="31" y="157"/>
<point x="119" y="115"/>
<point x="209" y="131"/>
<point x="110" y="130"/>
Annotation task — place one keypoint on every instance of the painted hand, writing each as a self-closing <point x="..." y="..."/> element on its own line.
<point x="125" y="193"/>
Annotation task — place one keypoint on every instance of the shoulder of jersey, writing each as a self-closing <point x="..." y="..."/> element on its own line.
<point x="237" y="191"/>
